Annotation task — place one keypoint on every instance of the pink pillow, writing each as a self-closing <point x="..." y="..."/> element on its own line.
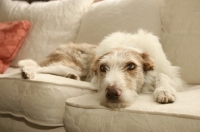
<point x="12" y="34"/>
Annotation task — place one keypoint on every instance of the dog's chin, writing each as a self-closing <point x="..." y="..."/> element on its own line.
<point x="115" y="104"/>
<point x="118" y="105"/>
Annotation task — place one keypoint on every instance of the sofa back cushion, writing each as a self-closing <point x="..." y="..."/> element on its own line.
<point x="109" y="16"/>
<point x="53" y="23"/>
<point x="181" y="36"/>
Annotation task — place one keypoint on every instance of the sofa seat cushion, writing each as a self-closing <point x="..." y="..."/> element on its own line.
<point x="53" y="23"/>
<point x="40" y="101"/>
<point x="13" y="124"/>
<point x="144" y="115"/>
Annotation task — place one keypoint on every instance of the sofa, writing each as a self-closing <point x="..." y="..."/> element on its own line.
<point x="56" y="104"/>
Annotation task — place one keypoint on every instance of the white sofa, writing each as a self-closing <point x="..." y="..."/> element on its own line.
<point x="51" y="103"/>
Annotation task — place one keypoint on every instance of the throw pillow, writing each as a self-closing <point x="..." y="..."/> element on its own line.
<point x="12" y="34"/>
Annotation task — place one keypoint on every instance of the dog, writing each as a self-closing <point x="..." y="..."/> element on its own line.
<point x="121" y="66"/>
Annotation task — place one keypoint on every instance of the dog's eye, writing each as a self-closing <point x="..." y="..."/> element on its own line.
<point x="103" y="68"/>
<point x="130" y="66"/>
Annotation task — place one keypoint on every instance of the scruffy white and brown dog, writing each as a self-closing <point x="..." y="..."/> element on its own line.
<point x="122" y="66"/>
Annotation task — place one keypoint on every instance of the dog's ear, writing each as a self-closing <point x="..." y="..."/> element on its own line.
<point x="148" y="63"/>
<point x="95" y="65"/>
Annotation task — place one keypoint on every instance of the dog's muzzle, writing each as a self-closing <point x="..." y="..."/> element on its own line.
<point x="113" y="94"/>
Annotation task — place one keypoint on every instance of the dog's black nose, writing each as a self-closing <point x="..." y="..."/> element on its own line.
<point x="113" y="93"/>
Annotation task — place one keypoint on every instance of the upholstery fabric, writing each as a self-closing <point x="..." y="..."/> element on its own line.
<point x="40" y="101"/>
<point x="53" y="23"/>
<point x="144" y="115"/>
<point x="12" y="35"/>
<point x="110" y="16"/>
<point x="14" y="124"/>
<point x="180" y="36"/>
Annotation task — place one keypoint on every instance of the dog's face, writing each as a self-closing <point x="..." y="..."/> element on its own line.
<point x="120" y="74"/>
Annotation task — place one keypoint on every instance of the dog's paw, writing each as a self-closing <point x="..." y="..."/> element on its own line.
<point x="28" y="72"/>
<point x="164" y="95"/>
<point x="72" y="76"/>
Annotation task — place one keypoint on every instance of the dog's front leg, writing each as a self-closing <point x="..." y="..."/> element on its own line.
<point x="164" y="92"/>
<point x="60" y="70"/>
<point x="29" y="72"/>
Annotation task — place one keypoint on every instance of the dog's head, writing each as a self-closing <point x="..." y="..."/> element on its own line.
<point x="119" y="75"/>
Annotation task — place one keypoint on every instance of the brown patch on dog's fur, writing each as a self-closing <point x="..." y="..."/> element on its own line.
<point x="76" y="56"/>
<point x="96" y="65"/>
<point x="143" y="58"/>
<point x="148" y="63"/>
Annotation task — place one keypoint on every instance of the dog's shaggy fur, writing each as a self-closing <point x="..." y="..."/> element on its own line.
<point x="125" y="64"/>
<point x="69" y="60"/>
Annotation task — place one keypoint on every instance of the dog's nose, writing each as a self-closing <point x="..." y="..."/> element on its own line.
<point x="113" y="93"/>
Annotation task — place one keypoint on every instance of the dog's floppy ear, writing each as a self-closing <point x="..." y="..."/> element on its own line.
<point x="148" y="63"/>
<point x="95" y="65"/>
